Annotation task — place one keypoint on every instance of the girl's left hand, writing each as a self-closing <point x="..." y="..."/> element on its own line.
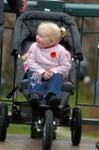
<point x="24" y="57"/>
<point x="47" y="74"/>
<point x="50" y="73"/>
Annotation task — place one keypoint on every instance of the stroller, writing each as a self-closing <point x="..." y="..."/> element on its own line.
<point x="44" y="119"/>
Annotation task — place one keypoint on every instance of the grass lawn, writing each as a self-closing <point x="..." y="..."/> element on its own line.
<point x="18" y="129"/>
<point x="62" y="132"/>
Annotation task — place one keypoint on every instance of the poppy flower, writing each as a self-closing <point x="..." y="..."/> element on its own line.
<point x="53" y="54"/>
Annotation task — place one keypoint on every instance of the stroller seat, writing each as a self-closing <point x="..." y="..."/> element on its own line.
<point x="68" y="87"/>
<point x="25" y="33"/>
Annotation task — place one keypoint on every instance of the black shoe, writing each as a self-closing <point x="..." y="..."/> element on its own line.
<point x="34" y="99"/>
<point x="53" y="101"/>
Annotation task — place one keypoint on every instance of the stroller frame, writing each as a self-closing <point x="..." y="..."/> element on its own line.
<point x="44" y="119"/>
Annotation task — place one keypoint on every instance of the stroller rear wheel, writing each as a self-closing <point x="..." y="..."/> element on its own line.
<point x="76" y="126"/>
<point x="47" y="136"/>
<point x="97" y="144"/>
<point x="3" y="121"/>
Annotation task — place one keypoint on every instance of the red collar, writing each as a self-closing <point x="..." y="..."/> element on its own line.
<point x="50" y="46"/>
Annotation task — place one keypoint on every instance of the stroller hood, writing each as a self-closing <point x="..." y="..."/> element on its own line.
<point x="26" y="25"/>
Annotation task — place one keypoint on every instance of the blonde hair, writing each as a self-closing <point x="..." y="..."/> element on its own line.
<point x="54" y="32"/>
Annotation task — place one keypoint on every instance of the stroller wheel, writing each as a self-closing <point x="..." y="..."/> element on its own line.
<point x="97" y="144"/>
<point x="47" y="136"/>
<point x="3" y="121"/>
<point x="76" y="126"/>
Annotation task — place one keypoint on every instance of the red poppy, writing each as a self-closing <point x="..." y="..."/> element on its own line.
<point x="53" y="54"/>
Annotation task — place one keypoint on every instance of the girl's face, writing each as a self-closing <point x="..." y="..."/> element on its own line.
<point x="42" y="39"/>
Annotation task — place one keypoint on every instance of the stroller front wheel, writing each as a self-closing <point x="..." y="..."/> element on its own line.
<point x="47" y="136"/>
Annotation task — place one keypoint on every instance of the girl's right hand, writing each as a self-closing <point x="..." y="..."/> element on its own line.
<point x="47" y="75"/>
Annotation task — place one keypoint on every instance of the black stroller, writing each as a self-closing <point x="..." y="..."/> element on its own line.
<point x="44" y="119"/>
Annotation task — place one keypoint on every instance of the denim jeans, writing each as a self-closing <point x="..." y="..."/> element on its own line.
<point x="35" y="84"/>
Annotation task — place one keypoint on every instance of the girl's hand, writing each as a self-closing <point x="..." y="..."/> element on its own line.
<point x="24" y="57"/>
<point x="50" y="72"/>
<point x="47" y="75"/>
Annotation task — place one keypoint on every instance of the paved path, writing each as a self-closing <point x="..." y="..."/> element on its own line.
<point x="23" y="142"/>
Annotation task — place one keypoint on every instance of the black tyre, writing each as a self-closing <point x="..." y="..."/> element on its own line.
<point x="3" y="121"/>
<point x="76" y="126"/>
<point x="97" y="144"/>
<point x="47" y="136"/>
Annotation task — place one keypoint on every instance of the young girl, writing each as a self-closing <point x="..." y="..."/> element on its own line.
<point x="47" y="60"/>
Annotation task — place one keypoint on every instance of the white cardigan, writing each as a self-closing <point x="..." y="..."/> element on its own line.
<point x="55" y="58"/>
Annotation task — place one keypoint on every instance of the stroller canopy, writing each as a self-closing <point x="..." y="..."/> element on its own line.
<point x="27" y="23"/>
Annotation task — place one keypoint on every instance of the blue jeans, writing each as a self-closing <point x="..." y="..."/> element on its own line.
<point x="35" y="84"/>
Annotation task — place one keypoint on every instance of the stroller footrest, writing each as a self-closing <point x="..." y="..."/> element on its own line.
<point x="68" y="86"/>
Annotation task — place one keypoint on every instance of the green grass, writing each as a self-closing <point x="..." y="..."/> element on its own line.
<point x="18" y="129"/>
<point x="62" y="132"/>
